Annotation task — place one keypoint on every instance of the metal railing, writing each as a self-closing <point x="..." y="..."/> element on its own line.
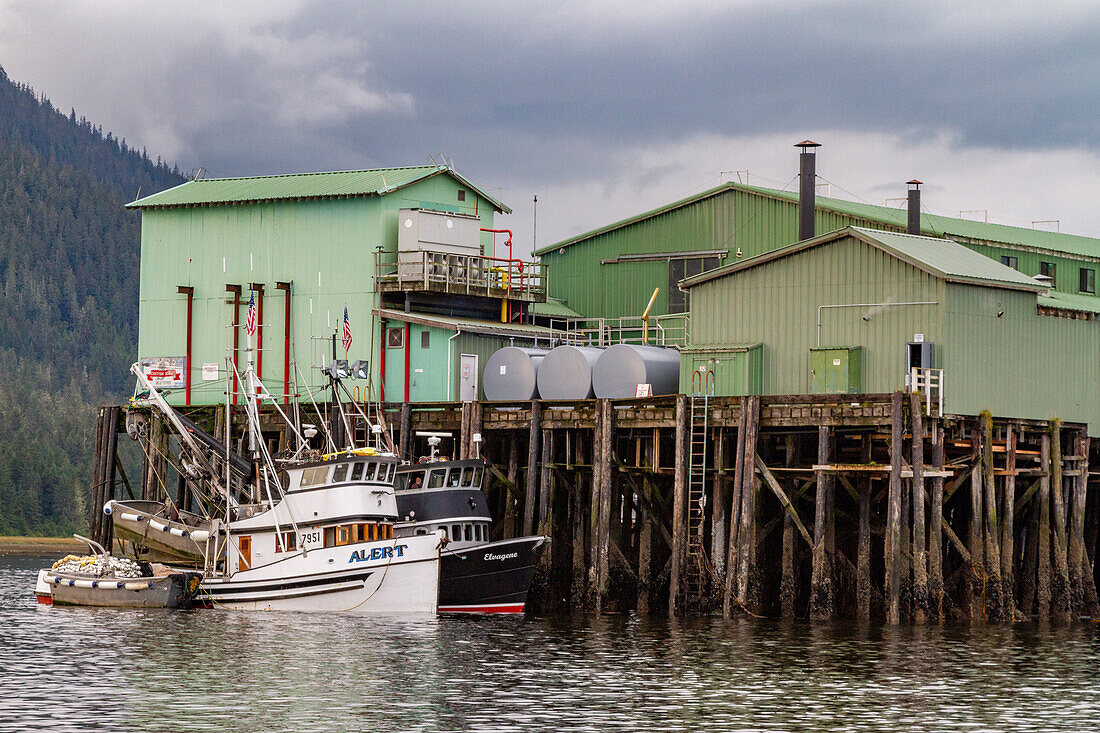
<point x="664" y="330"/>
<point x="446" y="272"/>
<point x="929" y="384"/>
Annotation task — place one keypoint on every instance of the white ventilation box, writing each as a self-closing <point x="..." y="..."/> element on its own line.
<point x="423" y="230"/>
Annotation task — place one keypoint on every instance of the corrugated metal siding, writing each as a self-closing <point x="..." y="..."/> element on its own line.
<point x="777" y="303"/>
<point x="266" y="243"/>
<point x="757" y="223"/>
<point x="1021" y="364"/>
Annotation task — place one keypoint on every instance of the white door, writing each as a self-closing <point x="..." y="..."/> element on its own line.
<point x="467" y="378"/>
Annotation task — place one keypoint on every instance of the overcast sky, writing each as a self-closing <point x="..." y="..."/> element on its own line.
<point x="602" y="109"/>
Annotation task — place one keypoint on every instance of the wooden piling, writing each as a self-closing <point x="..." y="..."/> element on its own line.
<point x="893" y="515"/>
<point x="733" y="545"/>
<point x="1082" y="577"/>
<point x="863" y="556"/>
<point x="994" y="602"/>
<point x="719" y="505"/>
<point x="788" y="584"/>
<point x="545" y="481"/>
<point x="920" y="556"/>
<point x="1042" y="583"/>
<point x="98" y="473"/>
<point x="935" y="531"/>
<point x="510" y="501"/>
<point x="1059" y="587"/>
<point x="582" y="484"/>
<point x="748" y="574"/>
<point x="529" y="503"/>
<point x="975" y="579"/>
<point x="822" y="602"/>
<point x="604" y="541"/>
<point x="405" y="437"/>
<point x="679" y="507"/>
<point x="1008" y="526"/>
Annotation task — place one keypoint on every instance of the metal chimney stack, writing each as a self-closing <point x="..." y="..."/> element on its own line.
<point x="807" y="186"/>
<point x="914" y="207"/>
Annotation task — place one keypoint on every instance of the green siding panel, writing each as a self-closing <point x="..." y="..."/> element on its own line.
<point x="324" y="247"/>
<point x="727" y="372"/>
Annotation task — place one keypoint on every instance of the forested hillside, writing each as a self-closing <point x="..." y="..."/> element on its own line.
<point x="68" y="300"/>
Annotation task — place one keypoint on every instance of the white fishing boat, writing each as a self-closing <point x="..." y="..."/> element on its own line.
<point x="305" y="533"/>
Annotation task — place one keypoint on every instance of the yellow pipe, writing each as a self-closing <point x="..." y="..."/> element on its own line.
<point x="645" y="316"/>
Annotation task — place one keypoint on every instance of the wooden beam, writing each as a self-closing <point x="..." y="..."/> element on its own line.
<point x="782" y="496"/>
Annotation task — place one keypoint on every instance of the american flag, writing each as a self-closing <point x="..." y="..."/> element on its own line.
<point x="250" y="324"/>
<point x="347" y="331"/>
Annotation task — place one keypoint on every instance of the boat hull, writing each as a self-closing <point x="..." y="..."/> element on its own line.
<point x="390" y="577"/>
<point x="490" y="578"/>
<point x="158" y="538"/>
<point x="175" y="590"/>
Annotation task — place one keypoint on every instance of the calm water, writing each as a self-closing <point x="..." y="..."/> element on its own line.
<point x="90" y="669"/>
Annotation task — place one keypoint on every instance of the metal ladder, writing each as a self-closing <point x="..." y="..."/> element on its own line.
<point x="696" y="575"/>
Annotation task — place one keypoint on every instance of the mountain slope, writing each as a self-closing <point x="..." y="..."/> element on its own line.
<point x="68" y="300"/>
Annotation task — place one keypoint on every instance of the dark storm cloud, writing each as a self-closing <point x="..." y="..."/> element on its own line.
<point x="562" y="91"/>
<point x="513" y="92"/>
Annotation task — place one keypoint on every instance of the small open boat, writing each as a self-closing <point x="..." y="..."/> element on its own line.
<point x="102" y="580"/>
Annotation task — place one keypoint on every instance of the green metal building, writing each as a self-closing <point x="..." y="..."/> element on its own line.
<point x="611" y="271"/>
<point x="309" y="246"/>
<point x="846" y="311"/>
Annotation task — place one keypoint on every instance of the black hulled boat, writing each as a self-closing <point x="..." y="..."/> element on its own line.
<point x="476" y="575"/>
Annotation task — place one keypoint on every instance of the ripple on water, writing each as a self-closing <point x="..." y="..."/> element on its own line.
<point x="98" y="669"/>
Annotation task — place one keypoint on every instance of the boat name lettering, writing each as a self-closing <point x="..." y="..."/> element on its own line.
<point x="505" y="556"/>
<point x="377" y="553"/>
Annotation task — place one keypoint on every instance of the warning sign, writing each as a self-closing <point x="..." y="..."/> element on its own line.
<point x="165" y="372"/>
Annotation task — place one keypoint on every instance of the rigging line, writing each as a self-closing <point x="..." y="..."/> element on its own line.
<point x="328" y="438"/>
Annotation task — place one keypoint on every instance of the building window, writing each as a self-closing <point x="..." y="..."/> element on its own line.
<point x="425" y="339"/>
<point x="681" y="268"/>
<point x="1013" y="262"/>
<point x="461" y="195"/>
<point x="1088" y="280"/>
<point x="1047" y="269"/>
<point x="395" y="337"/>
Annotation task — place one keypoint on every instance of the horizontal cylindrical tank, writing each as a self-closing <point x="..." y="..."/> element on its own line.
<point x="566" y="373"/>
<point x="622" y="367"/>
<point x="510" y="374"/>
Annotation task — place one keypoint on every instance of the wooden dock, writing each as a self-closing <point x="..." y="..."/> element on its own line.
<point x="820" y="507"/>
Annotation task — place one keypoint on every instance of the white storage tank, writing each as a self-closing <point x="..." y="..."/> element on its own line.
<point x="510" y="374"/>
<point x="566" y="373"/>
<point x="622" y="367"/>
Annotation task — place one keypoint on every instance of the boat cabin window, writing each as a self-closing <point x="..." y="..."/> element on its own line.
<point x="343" y="536"/>
<point x="456" y="532"/>
<point x="477" y="477"/>
<point x="315" y="476"/>
<point x="286" y="542"/>
<point x="435" y="479"/>
<point x="356" y="472"/>
<point x="454" y="478"/>
<point x="340" y="474"/>
<point x="330" y="536"/>
<point x="350" y="534"/>
<point x="468" y="476"/>
<point x="469" y="533"/>
<point x="390" y="468"/>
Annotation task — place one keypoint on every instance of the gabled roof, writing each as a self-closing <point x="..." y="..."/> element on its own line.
<point x="930" y="223"/>
<point x="373" y="182"/>
<point x="939" y="257"/>
<point x="1071" y="301"/>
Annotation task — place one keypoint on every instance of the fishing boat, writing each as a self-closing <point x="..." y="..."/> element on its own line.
<point x="304" y="532"/>
<point x="99" y="579"/>
<point x="477" y="575"/>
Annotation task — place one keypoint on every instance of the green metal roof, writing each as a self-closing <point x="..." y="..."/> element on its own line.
<point x="940" y="257"/>
<point x="930" y="223"/>
<point x="1071" y="301"/>
<point x="469" y="325"/>
<point x="553" y="308"/>
<point x="373" y="182"/>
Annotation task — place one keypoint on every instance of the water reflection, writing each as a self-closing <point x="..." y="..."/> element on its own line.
<point x="88" y="669"/>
